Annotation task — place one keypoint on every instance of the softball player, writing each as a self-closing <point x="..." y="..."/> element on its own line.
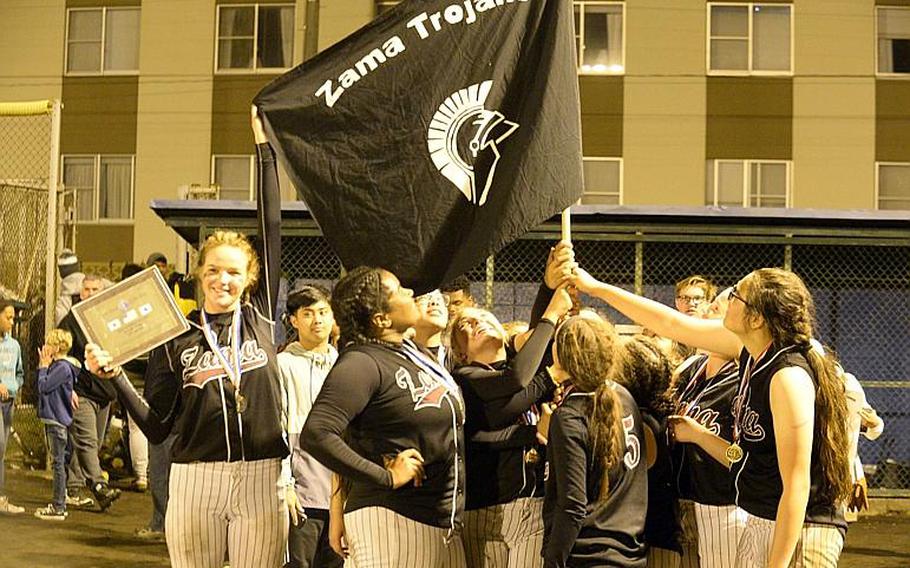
<point x="216" y="386"/>
<point x="390" y="420"/>
<point x="705" y="386"/>
<point x="597" y="481"/>
<point x="789" y="449"/>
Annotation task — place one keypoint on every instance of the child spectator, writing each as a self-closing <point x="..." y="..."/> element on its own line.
<point x="56" y="375"/>
<point x="11" y="375"/>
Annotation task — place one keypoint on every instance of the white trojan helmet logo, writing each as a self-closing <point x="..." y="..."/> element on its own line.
<point x="460" y="130"/>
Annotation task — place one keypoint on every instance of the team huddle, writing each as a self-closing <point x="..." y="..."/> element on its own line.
<point x="396" y="431"/>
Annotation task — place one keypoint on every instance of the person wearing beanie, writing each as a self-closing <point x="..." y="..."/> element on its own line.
<point x="70" y="283"/>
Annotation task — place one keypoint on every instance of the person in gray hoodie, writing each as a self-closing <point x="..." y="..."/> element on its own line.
<point x="71" y="276"/>
<point x="303" y="367"/>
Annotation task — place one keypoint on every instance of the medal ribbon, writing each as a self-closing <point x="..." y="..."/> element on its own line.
<point x="233" y="372"/>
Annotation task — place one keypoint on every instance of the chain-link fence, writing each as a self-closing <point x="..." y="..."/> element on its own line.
<point x="862" y="295"/>
<point x="28" y="166"/>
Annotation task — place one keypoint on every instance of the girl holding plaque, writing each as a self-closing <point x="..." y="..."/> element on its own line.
<point x="216" y="387"/>
<point x="789" y="449"/>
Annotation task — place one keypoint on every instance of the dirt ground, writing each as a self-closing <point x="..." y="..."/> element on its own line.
<point x="90" y="539"/>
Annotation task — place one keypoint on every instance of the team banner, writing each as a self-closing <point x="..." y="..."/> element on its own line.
<point x="435" y="135"/>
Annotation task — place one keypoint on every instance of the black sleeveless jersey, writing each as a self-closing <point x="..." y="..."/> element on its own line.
<point x="758" y="482"/>
<point x="709" y="400"/>
<point x="578" y="529"/>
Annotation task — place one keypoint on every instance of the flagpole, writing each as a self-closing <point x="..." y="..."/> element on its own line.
<point x="566" y="224"/>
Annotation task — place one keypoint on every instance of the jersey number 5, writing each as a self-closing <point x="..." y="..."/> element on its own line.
<point x="633" y="453"/>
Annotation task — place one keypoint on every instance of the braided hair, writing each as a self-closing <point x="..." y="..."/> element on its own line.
<point x="786" y="306"/>
<point x="357" y="297"/>
<point x="586" y="348"/>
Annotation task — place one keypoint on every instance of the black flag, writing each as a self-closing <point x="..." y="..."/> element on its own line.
<point x="435" y="135"/>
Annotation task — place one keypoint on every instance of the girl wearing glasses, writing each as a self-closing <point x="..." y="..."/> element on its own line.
<point x="789" y="450"/>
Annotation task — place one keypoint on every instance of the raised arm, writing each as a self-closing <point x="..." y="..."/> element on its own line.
<point x="710" y="335"/>
<point x="268" y="212"/>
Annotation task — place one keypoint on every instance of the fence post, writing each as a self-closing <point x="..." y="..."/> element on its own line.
<point x="788" y="256"/>
<point x="639" y="266"/>
<point x="488" y="285"/>
<point x="53" y="184"/>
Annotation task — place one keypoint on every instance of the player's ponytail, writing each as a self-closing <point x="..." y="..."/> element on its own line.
<point x="585" y="348"/>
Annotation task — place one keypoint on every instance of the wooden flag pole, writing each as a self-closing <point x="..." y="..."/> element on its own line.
<point x="566" y="224"/>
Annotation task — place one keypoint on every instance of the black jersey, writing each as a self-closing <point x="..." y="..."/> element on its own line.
<point x="709" y="400"/>
<point x="758" y="482"/>
<point x="662" y="526"/>
<point x="375" y="403"/>
<point x="499" y="429"/>
<point x="579" y="530"/>
<point x="188" y="389"/>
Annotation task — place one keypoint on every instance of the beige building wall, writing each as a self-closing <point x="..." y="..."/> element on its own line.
<point x="31" y="49"/>
<point x="834" y="104"/>
<point x="173" y="133"/>
<point x="664" y="103"/>
<point x="338" y="18"/>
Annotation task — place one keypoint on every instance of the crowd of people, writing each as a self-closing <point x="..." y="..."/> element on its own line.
<point x="398" y="431"/>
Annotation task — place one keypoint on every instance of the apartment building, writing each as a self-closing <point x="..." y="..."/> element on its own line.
<point x="684" y="102"/>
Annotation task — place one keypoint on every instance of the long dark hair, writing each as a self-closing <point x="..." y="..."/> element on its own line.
<point x="785" y="304"/>
<point x="645" y="370"/>
<point x="357" y="297"/>
<point x="585" y="348"/>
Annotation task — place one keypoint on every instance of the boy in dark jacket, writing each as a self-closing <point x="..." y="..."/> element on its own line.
<point x="56" y="375"/>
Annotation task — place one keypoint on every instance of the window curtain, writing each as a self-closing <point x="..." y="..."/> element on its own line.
<point x="115" y="188"/>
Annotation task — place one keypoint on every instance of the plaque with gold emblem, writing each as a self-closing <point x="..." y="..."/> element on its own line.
<point x="132" y="317"/>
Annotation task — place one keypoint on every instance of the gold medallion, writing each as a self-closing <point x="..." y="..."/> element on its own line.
<point x="531" y="456"/>
<point x="733" y="453"/>
<point x="241" y="402"/>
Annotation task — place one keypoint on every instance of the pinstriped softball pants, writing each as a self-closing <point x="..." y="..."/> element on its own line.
<point x="381" y="538"/>
<point x="237" y="506"/>
<point x="819" y="545"/>
<point x="505" y="536"/>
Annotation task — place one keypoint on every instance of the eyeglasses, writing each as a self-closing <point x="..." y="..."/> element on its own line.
<point x="735" y="294"/>
<point x="691" y="300"/>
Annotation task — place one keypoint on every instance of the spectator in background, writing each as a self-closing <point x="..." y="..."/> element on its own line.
<point x="694" y="294"/>
<point x="70" y="284"/>
<point x="11" y="377"/>
<point x="458" y="296"/>
<point x="135" y="372"/>
<point x="159" y="260"/>
<point x="56" y="376"/>
<point x="91" y="408"/>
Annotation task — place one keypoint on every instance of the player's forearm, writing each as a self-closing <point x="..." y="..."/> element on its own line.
<point x="330" y="450"/>
<point x="714" y="446"/>
<point x="152" y="425"/>
<point x="791" y="514"/>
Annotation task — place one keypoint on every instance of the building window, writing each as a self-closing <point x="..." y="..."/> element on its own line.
<point x="254" y="37"/>
<point x="102" y="185"/>
<point x="892" y="188"/>
<point x="234" y="176"/>
<point x="599" y="37"/>
<point x="383" y="6"/>
<point x="893" y="32"/>
<point x="603" y="181"/>
<point x="748" y="183"/>
<point x="750" y="38"/>
<point x="102" y="41"/>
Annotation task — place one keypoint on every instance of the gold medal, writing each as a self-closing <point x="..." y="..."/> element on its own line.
<point x="733" y="453"/>
<point x="241" y="402"/>
<point x="531" y="456"/>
